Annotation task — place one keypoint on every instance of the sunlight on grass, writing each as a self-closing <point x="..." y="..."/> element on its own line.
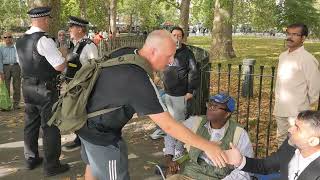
<point x="265" y="50"/>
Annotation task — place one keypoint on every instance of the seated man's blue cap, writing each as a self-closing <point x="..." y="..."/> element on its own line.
<point x="224" y="99"/>
<point x="77" y="21"/>
<point x="39" y="12"/>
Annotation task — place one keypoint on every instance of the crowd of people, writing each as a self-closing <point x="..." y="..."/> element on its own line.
<point x="211" y="146"/>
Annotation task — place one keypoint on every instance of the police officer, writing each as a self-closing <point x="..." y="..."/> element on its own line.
<point x="84" y="50"/>
<point x="40" y="63"/>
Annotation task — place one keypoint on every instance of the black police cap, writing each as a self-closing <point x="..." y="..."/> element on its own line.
<point x="77" y="21"/>
<point x="39" y="12"/>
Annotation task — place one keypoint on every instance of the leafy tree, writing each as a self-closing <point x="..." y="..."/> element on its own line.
<point x="202" y="11"/>
<point x="13" y="15"/>
<point x="83" y="8"/>
<point x="292" y="11"/>
<point x="184" y="9"/>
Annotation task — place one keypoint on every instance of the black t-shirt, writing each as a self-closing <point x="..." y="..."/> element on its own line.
<point x="127" y="86"/>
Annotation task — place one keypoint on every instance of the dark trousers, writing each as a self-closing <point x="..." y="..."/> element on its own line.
<point x="13" y="72"/>
<point x="39" y="100"/>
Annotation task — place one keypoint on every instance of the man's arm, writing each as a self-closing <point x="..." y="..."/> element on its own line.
<point x="171" y="145"/>
<point x="245" y="147"/>
<point x="47" y="48"/>
<point x="312" y="74"/>
<point x="180" y="132"/>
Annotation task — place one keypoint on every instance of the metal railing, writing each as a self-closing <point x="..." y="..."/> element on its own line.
<point x="254" y="96"/>
<point x="253" y="92"/>
<point x="105" y="46"/>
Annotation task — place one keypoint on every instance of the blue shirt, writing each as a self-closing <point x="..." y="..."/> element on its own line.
<point x="7" y="56"/>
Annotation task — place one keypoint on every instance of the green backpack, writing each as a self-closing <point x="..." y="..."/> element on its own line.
<point x="69" y="112"/>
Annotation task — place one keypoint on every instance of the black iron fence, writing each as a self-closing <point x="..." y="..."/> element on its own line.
<point x="105" y="46"/>
<point x="253" y="89"/>
<point x="251" y="86"/>
<point x="253" y="92"/>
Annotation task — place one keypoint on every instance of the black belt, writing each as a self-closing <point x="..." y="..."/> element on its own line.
<point x="49" y="83"/>
<point x="10" y="64"/>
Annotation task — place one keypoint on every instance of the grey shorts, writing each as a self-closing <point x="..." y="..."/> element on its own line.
<point x="106" y="162"/>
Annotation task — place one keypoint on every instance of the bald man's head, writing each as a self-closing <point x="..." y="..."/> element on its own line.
<point x="158" y="37"/>
<point x="159" y="49"/>
<point x="41" y="22"/>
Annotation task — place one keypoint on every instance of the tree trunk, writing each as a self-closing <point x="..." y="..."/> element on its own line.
<point x="37" y="3"/>
<point x="130" y="23"/>
<point x="83" y="9"/>
<point x="107" y="12"/>
<point x="113" y="17"/>
<point x="221" y="47"/>
<point x="184" y="17"/>
<point x="56" y="19"/>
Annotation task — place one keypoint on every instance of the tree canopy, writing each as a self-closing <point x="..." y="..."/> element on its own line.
<point x="260" y="15"/>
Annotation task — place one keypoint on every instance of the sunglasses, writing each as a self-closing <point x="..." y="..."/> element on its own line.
<point x="213" y="107"/>
<point x="7" y="37"/>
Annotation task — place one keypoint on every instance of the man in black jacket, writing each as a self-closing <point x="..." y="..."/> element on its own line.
<point x="298" y="158"/>
<point x="180" y="80"/>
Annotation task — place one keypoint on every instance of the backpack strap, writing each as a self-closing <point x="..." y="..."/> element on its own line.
<point x="129" y="59"/>
<point x="103" y="111"/>
<point x="125" y="59"/>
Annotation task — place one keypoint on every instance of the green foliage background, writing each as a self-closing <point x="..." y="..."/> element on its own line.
<point x="260" y="15"/>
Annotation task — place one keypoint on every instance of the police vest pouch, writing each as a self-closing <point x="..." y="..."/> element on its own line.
<point x="69" y="112"/>
<point x="73" y="59"/>
<point x="73" y="65"/>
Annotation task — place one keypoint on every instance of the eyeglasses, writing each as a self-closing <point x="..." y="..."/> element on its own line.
<point x="293" y="34"/>
<point x="7" y="37"/>
<point x="213" y="107"/>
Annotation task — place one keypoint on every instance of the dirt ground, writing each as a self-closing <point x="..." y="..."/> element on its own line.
<point x="143" y="152"/>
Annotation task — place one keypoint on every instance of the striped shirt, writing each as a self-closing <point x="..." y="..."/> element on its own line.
<point x="7" y="56"/>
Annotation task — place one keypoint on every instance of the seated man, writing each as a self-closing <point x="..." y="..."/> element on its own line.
<point x="298" y="158"/>
<point x="215" y="126"/>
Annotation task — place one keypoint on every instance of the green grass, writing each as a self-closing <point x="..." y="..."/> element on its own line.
<point x="265" y="50"/>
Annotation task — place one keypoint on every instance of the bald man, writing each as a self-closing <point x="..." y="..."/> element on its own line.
<point x="129" y="86"/>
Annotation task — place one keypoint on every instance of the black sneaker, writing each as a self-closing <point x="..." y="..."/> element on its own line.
<point x="71" y="147"/>
<point x="61" y="168"/>
<point x="32" y="163"/>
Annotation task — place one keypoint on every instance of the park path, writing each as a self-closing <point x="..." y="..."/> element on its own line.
<point x="143" y="151"/>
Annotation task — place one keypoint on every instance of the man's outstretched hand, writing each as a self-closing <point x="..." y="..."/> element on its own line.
<point x="234" y="156"/>
<point x="217" y="156"/>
